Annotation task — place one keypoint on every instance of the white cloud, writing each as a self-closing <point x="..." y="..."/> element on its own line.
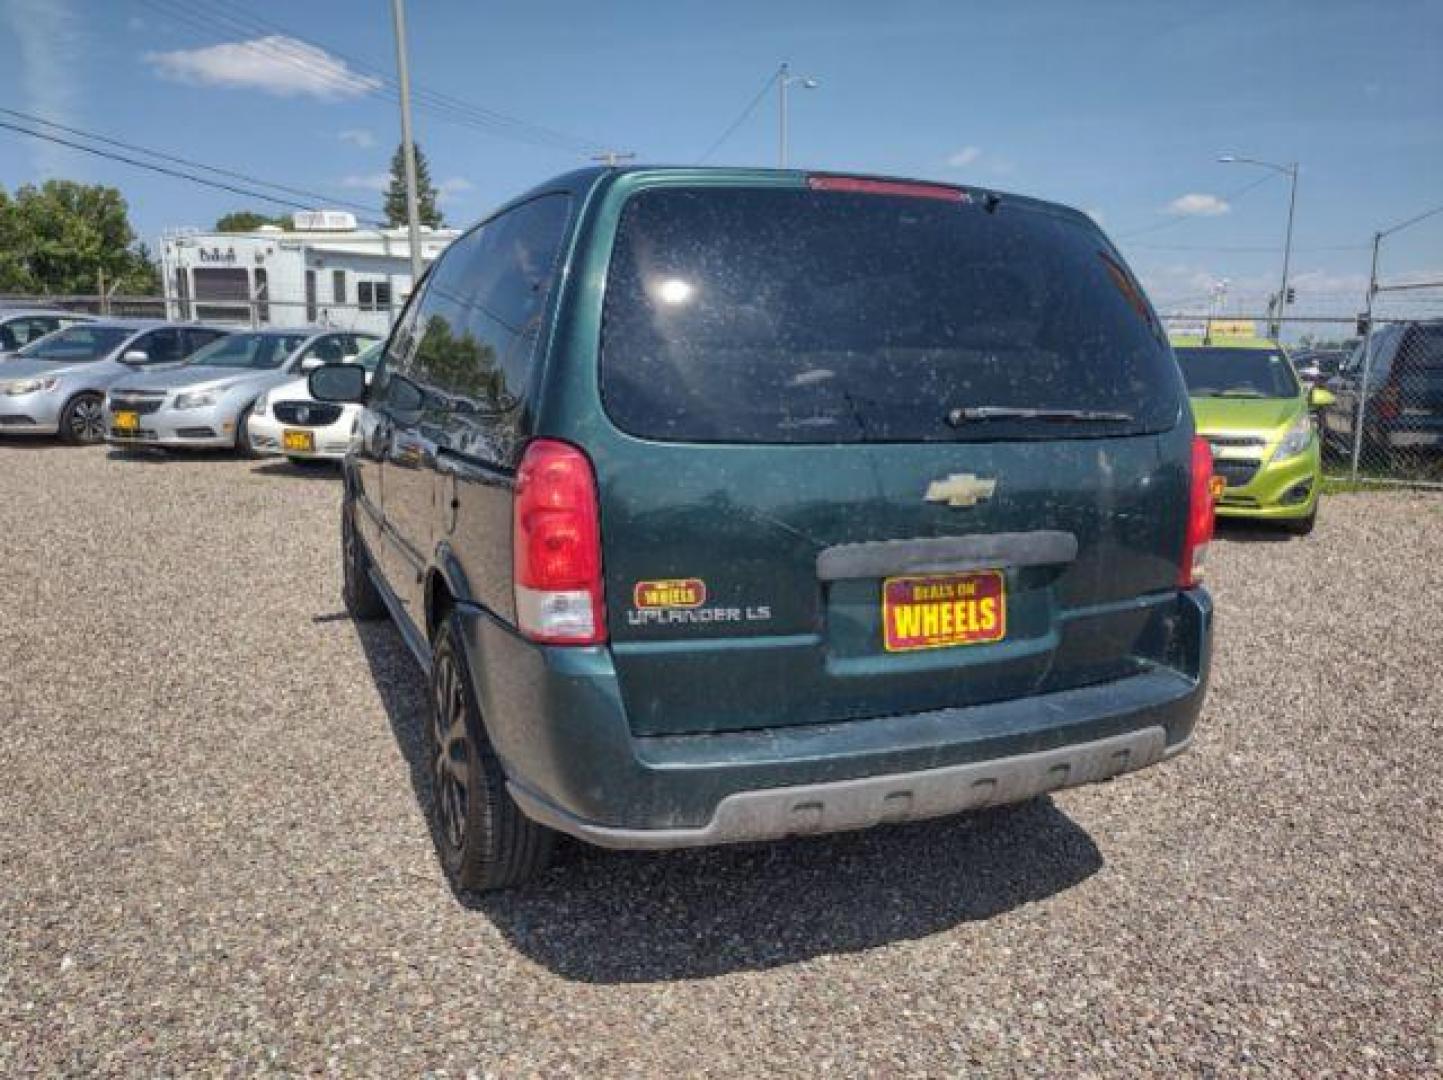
<point x="448" y="190"/>
<point x="275" y="64"/>
<point x="50" y="52"/>
<point x="358" y="137"/>
<point x="1196" y="204"/>
<point x="960" y="159"/>
<point x="367" y="182"/>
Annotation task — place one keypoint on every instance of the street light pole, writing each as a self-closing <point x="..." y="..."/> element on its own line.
<point x="1291" y="172"/>
<point x="1287" y="251"/>
<point x="785" y="78"/>
<point x="408" y="147"/>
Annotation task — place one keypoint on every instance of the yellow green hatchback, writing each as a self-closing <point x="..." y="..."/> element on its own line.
<point x="1250" y="406"/>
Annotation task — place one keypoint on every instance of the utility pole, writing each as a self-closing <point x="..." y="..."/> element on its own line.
<point x="1363" y="388"/>
<point x="408" y="147"/>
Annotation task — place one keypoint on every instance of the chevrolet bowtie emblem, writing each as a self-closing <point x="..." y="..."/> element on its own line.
<point x="960" y="489"/>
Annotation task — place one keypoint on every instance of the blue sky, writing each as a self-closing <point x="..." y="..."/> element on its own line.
<point x="1117" y="107"/>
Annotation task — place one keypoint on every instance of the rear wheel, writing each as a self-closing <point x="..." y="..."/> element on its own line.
<point x="484" y="839"/>
<point x="83" y="420"/>
<point x="362" y="598"/>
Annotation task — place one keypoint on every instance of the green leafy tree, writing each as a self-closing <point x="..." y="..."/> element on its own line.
<point x="426" y="208"/>
<point x="241" y="221"/>
<point x="66" y="237"/>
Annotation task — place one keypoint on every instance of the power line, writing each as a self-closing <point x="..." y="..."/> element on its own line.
<point x="93" y="137"/>
<point x="1244" y="248"/>
<point x="179" y="175"/>
<point x="741" y="118"/>
<point x="210" y="18"/>
<point x="1412" y="221"/>
<point x="1177" y="219"/>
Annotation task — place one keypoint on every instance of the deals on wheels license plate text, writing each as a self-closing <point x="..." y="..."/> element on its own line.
<point x="934" y="611"/>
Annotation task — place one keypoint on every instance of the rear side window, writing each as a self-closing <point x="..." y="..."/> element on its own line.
<point x="1422" y="350"/>
<point x="481" y="314"/>
<point x="798" y="316"/>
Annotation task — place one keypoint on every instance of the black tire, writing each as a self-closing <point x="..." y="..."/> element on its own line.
<point x="484" y="840"/>
<point x="243" y="433"/>
<point x="82" y="421"/>
<point x="362" y="598"/>
<point x="1303" y="526"/>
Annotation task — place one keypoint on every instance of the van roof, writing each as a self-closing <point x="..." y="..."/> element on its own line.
<point x="581" y="179"/>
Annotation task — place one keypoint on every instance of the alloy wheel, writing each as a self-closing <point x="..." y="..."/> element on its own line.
<point x="450" y="775"/>
<point x="87" y="420"/>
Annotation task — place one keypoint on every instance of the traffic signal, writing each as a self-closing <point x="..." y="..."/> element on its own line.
<point x="1292" y="294"/>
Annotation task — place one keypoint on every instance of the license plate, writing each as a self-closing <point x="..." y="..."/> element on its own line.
<point x="937" y="611"/>
<point x="127" y="421"/>
<point x="1216" y="485"/>
<point x="298" y="440"/>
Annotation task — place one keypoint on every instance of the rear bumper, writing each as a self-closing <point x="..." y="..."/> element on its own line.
<point x="556" y="720"/>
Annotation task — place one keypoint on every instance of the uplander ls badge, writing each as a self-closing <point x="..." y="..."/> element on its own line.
<point x="961" y="489"/>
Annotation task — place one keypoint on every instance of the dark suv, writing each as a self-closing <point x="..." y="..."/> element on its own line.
<point x="726" y="505"/>
<point x="1404" y="398"/>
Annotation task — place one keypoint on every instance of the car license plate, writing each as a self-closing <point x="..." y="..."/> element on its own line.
<point x="127" y="421"/>
<point x="935" y="611"/>
<point x="298" y="440"/>
<point x="1217" y="485"/>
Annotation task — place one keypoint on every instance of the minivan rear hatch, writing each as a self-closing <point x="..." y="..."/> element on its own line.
<point x="877" y="448"/>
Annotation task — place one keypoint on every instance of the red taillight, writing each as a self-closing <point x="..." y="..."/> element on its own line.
<point x="865" y="186"/>
<point x="1386" y="405"/>
<point x="1199" y="514"/>
<point x="556" y="547"/>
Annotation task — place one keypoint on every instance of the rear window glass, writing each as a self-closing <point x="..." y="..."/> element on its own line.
<point x="798" y="316"/>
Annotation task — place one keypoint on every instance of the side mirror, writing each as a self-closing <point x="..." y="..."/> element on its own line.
<point x="136" y="356"/>
<point x="1318" y="398"/>
<point x="341" y="384"/>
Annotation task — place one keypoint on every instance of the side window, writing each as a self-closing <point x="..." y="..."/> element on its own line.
<point x="196" y="337"/>
<point x="161" y="346"/>
<point x="483" y="310"/>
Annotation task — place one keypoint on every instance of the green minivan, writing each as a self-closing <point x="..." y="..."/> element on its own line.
<point x="727" y="505"/>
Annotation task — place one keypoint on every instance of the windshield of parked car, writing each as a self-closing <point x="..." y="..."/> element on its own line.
<point x="77" y="344"/>
<point x="369" y="357"/>
<point x="822" y="316"/>
<point x="261" y="352"/>
<point x="1231" y="372"/>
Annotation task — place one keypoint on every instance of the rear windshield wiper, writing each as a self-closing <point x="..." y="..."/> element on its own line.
<point x="973" y="413"/>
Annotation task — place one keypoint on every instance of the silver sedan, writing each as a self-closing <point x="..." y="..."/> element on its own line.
<point x="207" y="403"/>
<point x="57" y="385"/>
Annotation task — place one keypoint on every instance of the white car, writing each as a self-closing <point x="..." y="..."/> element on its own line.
<point x="289" y="422"/>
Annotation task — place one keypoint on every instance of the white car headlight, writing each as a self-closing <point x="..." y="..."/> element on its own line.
<point x="1296" y="439"/>
<point x="197" y="399"/>
<point x="263" y="403"/>
<point x="29" y="386"/>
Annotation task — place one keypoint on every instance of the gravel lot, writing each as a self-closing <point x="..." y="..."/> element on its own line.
<point x="213" y="856"/>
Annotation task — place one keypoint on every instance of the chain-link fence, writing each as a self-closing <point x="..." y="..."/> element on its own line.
<point x="1376" y="385"/>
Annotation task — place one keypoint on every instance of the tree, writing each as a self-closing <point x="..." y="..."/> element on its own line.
<point x="426" y="209"/>
<point x="64" y="237"/>
<point x="249" y="221"/>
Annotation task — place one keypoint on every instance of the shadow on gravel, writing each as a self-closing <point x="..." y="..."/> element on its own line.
<point x="32" y="442"/>
<point x="309" y="470"/>
<point x="155" y="455"/>
<point x="617" y="917"/>
<point x="1253" y="532"/>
